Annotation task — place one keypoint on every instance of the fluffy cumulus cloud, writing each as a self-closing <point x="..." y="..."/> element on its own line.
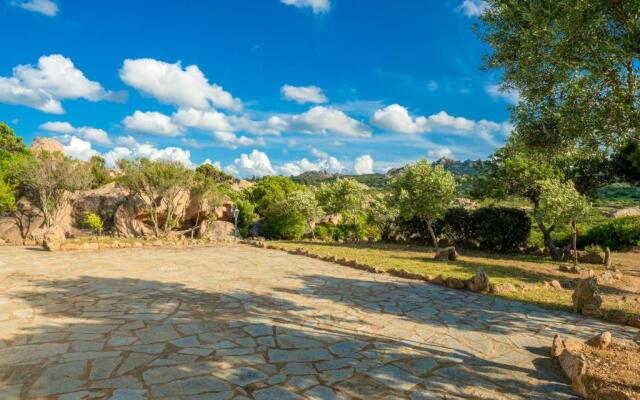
<point x="219" y="124"/>
<point x="317" y="6"/>
<point x="396" y="118"/>
<point x="44" y="7"/>
<point x="323" y="162"/>
<point x="93" y="135"/>
<point x="442" y="152"/>
<point x="77" y="148"/>
<point x="131" y="149"/>
<point x="152" y="123"/>
<point x="256" y="164"/>
<point x="303" y="94"/>
<point x="472" y="8"/>
<point x="324" y="120"/>
<point x="363" y="165"/>
<point x="43" y="86"/>
<point x="171" y="83"/>
<point x="510" y="95"/>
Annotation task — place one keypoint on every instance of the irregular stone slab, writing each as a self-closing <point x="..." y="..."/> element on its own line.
<point x="318" y="354"/>
<point x="155" y="334"/>
<point x="103" y="368"/>
<point x="394" y="377"/>
<point x="302" y="382"/>
<point x="128" y="394"/>
<point x="242" y="376"/>
<point x="90" y="355"/>
<point x="345" y="349"/>
<point x="134" y="361"/>
<point x="275" y="393"/>
<point x="321" y="393"/>
<point x="336" y="375"/>
<point x="189" y="387"/>
<point x="17" y="355"/>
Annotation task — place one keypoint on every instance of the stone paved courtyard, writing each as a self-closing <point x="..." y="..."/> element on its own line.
<point x="238" y="322"/>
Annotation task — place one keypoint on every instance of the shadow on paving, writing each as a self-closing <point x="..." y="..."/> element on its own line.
<point x="134" y="339"/>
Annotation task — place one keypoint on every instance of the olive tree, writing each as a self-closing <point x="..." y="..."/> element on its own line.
<point x="160" y="184"/>
<point x="559" y="203"/>
<point x="423" y="192"/>
<point x="344" y="196"/>
<point x="574" y="64"/>
<point x="48" y="181"/>
<point x="205" y="192"/>
<point x="304" y="202"/>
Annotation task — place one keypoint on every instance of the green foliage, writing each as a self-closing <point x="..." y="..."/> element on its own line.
<point x="594" y="249"/>
<point x="213" y="173"/>
<point x="7" y="198"/>
<point x="574" y="63"/>
<point x="513" y="171"/>
<point x="101" y="174"/>
<point x="47" y="179"/>
<point x="93" y="222"/>
<point x="456" y="225"/>
<point x="560" y="203"/>
<point x="343" y="196"/>
<point x="269" y="191"/>
<point x="502" y="230"/>
<point x="160" y="181"/>
<point x="9" y="141"/>
<point x="246" y="216"/>
<point x="617" y="234"/>
<point x="626" y="162"/>
<point x="423" y="192"/>
<point x="328" y="232"/>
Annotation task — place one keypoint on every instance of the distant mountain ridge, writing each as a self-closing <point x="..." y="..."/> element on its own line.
<point x="379" y="180"/>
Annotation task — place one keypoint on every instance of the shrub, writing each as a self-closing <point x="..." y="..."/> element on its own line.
<point x="246" y="216"/>
<point x="501" y="229"/>
<point x="594" y="249"/>
<point x="617" y="234"/>
<point x="94" y="222"/>
<point x="330" y="232"/>
<point x="456" y="224"/>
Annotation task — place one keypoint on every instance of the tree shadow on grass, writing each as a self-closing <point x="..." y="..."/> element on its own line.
<point x="104" y="337"/>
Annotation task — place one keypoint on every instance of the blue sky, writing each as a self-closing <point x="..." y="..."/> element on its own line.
<point x="254" y="86"/>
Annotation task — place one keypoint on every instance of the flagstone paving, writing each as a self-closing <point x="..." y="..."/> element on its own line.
<point x="236" y="322"/>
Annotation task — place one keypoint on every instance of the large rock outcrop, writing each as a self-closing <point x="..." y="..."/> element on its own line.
<point x="586" y="297"/>
<point x="46" y="144"/>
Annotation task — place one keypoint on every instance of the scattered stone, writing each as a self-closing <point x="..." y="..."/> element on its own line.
<point x="586" y="297"/>
<point x="455" y="283"/>
<point x="446" y="254"/>
<point x="600" y="341"/>
<point x="575" y="366"/>
<point x="573" y="269"/>
<point x="607" y="258"/>
<point x="617" y="316"/>
<point x="590" y="258"/>
<point x="480" y="282"/>
<point x="554" y="285"/>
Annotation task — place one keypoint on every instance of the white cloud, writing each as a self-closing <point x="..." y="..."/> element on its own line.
<point x="256" y="164"/>
<point x="324" y="120"/>
<point x="207" y="120"/>
<point x="511" y="95"/>
<point x="363" y="165"/>
<point x="472" y="8"/>
<point x="324" y="162"/>
<point x="77" y="148"/>
<point x="93" y="135"/>
<point x="432" y="86"/>
<point x="44" y="7"/>
<point x="396" y="118"/>
<point x="133" y="149"/>
<point x="55" y="78"/>
<point x="317" y="6"/>
<point x="439" y="153"/>
<point x="153" y="123"/>
<point x="303" y="94"/>
<point x="172" y="84"/>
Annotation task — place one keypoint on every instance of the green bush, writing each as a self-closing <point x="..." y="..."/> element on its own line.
<point x="594" y="249"/>
<point x="284" y="226"/>
<point x="93" y="222"/>
<point x="246" y="216"/>
<point x="456" y="224"/>
<point x="501" y="229"/>
<point x="616" y="234"/>
<point x="329" y="232"/>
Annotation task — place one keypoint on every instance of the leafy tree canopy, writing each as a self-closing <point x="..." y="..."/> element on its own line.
<point x="9" y="141"/>
<point x="271" y="190"/>
<point x="214" y="173"/>
<point x="575" y="64"/>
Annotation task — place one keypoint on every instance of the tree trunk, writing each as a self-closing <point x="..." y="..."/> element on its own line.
<point x="313" y="235"/>
<point x="196" y="224"/>
<point x="433" y="235"/>
<point x="556" y="253"/>
<point x="574" y="231"/>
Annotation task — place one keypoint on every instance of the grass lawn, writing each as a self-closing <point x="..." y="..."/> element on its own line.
<point x="528" y="274"/>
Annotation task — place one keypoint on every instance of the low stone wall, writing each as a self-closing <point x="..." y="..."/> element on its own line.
<point x="478" y="283"/>
<point x="71" y="245"/>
